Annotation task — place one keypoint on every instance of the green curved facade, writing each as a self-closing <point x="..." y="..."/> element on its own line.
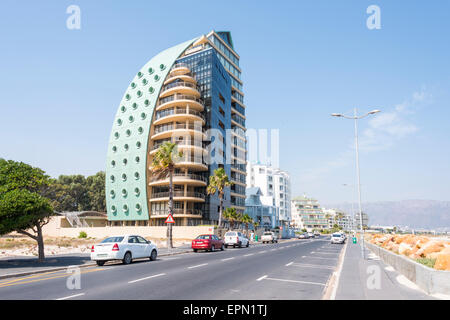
<point x="127" y="167"/>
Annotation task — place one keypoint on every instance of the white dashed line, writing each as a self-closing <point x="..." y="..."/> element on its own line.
<point x="228" y="259"/>
<point x="154" y="276"/>
<point x="289" y="264"/>
<point x="73" y="296"/>
<point x="295" y="281"/>
<point x="248" y="255"/>
<point x="199" y="265"/>
<point x="263" y="277"/>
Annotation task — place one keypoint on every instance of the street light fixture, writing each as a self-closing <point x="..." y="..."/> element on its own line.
<point x="355" y="117"/>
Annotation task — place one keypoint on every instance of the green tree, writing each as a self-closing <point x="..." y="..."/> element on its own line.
<point x="246" y="219"/>
<point x="163" y="166"/>
<point x="96" y="192"/>
<point x="22" y="207"/>
<point x="231" y="215"/>
<point x="217" y="183"/>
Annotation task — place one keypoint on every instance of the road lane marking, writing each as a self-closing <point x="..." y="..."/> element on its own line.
<point x="289" y="264"/>
<point x="318" y="266"/>
<point x="228" y="259"/>
<point x="154" y="276"/>
<point x="335" y="253"/>
<point x="320" y="258"/>
<point x="248" y="255"/>
<point x="199" y="265"/>
<point x="262" y="251"/>
<point x="263" y="277"/>
<point x="295" y="281"/>
<point x="73" y="296"/>
<point x="273" y="249"/>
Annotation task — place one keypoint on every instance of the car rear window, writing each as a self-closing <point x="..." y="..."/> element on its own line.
<point x="267" y="233"/>
<point x="112" y="239"/>
<point x="336" y="235"/>
<point x="230" y="234"/>
<point x="203" y="236"/>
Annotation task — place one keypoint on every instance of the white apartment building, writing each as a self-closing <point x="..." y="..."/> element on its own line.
<point x="275" y="186"/>
<point x="339" y="217"/>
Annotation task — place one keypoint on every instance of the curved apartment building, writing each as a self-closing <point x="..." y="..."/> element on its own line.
<point x="191" y="95"/>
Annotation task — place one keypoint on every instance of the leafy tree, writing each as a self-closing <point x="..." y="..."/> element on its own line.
<point x="22" y="207"/>
<point x="231" y="215"/>
<point x="96" y="191"/>
<point x="163" y="165"/>
<point x="246" y="219"/>
<point x="217" y="183"/>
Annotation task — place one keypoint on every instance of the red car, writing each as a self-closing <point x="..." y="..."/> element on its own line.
<point x="207" y="242"/>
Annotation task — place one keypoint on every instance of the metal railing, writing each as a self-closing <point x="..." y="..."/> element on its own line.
<point x="192" y="176"/>
<point x="190" y="194"/>
<point x="170" y="127"/>
<point x="169" y="112"/>
<point x="196" y="212"/>
<point x="179" y="97"/>
<point x="180" y="84"/>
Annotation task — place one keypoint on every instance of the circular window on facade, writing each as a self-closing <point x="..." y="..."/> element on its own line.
<point x="124" y="193"/>
<point x="127" y="96"/>
<point x="114" y="148"/>
<point x="162" y="66"/>
<point x="124" y="177"/>
<point x="139" y="93"/>
<point x="116" y="135"/>
<point x="143" y="115"/>
<point x="113" y="209"/>
<point x="140" y="74"/>
<point x="112" y="193"/>
<point x="144" y="81"/>
<point x="136" y="175"/>
<point x="112" y="178"/>
<point x="138" y="144"/>
<point x="113" y="163"/>
<point x="147" y="102"/>
<point x="126" y="147"/>
<point x="125" y="161"/>
<point x="137" y="159"/>
<point x="150" y="70"/>
<point x="140" y="130"/>
<point x="123" y="109"/>
<point x="134" y="105"/>
<point x="151" y="90"/>
<point x="119" y="122"/>
<point x="138" y="207"/>
<point x="137" y="192"/>
<point x="133" y="85"/>
<point x="156" y="77"/>
<point x="131" y="118"/>
<point x="125" y="208"/>
<point x="128" y="132"/>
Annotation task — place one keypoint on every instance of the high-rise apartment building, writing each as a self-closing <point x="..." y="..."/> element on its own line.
<point x="275" y="186"/>
<point x="191" y="95"/>
<point x="310" y="213"/>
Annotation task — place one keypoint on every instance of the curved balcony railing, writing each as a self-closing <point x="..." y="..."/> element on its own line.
<point x="173" y="111"/>
<point x="170" y="127"/>
<point x="180" y="84"/>
<point x="179" y="97"/>
<point x="179" y="65"/>
<point x="189" y="194"/>
<point x="191" y="176"/>
<point x="196" y="212"/>
<point x="195" y="143"/>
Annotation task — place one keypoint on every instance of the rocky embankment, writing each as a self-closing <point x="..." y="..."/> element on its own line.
<point x="416" y="247"/>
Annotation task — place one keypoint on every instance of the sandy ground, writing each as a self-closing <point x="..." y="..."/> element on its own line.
<point x="18" y="246"/>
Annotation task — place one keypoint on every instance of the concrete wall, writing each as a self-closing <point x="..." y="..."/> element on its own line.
<point x="56" y="228"/>
<point x="429" y="280"/>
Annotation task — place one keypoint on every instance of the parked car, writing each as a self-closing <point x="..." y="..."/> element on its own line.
<point x="310" y="235"/>
<point x="125" y="248"/>
<point x="207" y="242"/>
<point x="337" y="238"/>
<point x="303" y="236"/>
<point x="316" y="234"/>
<point x="235" y="239"/>
<point x="269" y="236"/>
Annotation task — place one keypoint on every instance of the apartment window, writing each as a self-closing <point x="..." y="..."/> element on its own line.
<point x="261" y="170"/>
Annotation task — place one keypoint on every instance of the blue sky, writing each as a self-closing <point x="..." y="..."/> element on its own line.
<point x="301" y="61"/>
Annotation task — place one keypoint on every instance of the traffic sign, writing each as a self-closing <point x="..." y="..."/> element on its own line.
<point x="169" y="219"/>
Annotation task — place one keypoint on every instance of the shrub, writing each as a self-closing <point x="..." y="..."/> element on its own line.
<point x="427" y="262"/>
<point x="82" y="235"/>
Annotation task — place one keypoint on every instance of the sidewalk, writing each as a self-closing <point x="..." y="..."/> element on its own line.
<point x="22" y="266"/>
<point x="359" y="278"/>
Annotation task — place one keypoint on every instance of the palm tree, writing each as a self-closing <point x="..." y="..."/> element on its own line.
<point x="231" y="215"/>
<point x="163" y="165"/>
<point x="246" y="219"/>
<point x="217" y="183"/>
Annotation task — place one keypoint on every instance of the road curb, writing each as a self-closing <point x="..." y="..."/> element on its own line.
<point x="28" y="273"/>
<point x="333" y="281"/>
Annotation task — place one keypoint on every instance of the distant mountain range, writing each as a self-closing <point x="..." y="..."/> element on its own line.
<point x="428" y="214"/>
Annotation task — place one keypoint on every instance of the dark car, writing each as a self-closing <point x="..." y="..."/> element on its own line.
<point x="208" y="242"/>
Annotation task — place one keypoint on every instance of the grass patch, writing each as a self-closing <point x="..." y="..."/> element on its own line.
<point x="427" y="262"/>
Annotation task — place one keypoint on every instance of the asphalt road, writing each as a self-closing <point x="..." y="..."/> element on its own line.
<point x="297" y="269"/>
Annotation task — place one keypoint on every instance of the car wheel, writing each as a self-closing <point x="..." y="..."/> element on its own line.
<point x="153" y="255"/>
<point x="127" y="258"/>
<point x="226" y="246"/>
<point x="221" y="248"/>
<point x="240" y="244"/>
<point x="100" y="263"/>
<point x="213" y="249"/>
<point x="273" y="241"/>
<point x="248" y="243"/>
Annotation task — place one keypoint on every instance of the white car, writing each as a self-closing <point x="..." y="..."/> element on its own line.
<point x="235" y="239"/>
<point x="311" y="235"/>
<point x="337" y="238"/>
<point x="125" y="248"/>
<point x="269" y="236"/>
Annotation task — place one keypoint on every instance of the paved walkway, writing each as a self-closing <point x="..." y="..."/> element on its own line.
<point x="372" y="279"/>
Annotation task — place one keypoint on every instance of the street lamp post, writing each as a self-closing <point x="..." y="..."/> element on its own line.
<point x="356" y="118"/>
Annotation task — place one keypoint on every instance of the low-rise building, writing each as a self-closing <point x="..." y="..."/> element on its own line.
<point x="310" y="213"/>
<point x="339" y="218"/>
<point x="265" y="215"/>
